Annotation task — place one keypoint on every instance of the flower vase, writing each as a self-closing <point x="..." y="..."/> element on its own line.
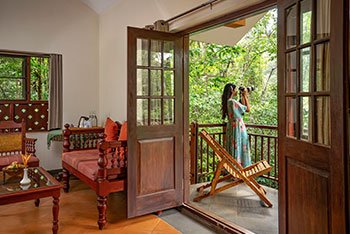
<point x="25" y="179"/>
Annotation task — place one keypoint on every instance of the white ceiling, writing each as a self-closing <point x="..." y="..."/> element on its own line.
<point x="100" y="5"/>
<point x="226" y="35"/>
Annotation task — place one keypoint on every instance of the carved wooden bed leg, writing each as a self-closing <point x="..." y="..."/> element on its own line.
<point x="102" y="207"/>
<point x="66" y="176"/>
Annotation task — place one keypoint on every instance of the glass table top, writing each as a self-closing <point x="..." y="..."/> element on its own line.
<point x="10" y="183"/>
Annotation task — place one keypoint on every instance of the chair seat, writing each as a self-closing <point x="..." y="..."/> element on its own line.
<point x="84" y="161"/>
<point x="8" y="159"/>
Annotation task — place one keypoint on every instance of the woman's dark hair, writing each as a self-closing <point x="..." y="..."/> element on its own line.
<point x="229" y="88"/>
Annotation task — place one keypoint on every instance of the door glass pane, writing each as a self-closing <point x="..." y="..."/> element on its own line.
<point x="168" y="111"/>
<point x="323" y="121"/>
<point x="156" y="117"/>
<point x="156" y="53"/>
<point x="156" y="82"/>
<point x="291" y="116"/>
<point x="322" y="67"/>
<point x="168" y="54"/>
<point x="291" y="84"/>
<point x="305" y="118"/>
<point x="168" y="83"/>
<point x="323" y="21"/>
<point x="291" y="30"/>
<point x="142" y="112"/>
<point x="305" y="21"/>
<point x="305" y="61"/>
<point x="142" y="52"/>
<point x="142" y="82"/>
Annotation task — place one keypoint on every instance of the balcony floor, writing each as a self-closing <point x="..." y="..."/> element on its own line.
<point x="240" y="205"/>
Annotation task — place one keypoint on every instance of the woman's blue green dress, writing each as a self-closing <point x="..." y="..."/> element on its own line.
<point x="237" y="141"/>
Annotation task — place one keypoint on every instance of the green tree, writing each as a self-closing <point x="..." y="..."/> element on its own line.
<point x="251" y="62"/>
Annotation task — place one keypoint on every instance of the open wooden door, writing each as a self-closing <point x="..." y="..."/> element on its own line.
<point x="311" y="116"/>
<point x="155" y="121"/>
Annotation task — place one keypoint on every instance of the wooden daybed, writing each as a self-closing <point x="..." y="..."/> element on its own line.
<point x="99" y="163"/>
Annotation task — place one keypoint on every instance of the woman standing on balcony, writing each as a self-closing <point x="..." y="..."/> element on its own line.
<point x="237" y="142"/>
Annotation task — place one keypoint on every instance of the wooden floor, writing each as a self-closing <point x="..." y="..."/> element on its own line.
<point x="78" y="214"/>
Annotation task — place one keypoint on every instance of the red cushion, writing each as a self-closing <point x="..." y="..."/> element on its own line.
<point x="85" y="161"/>
<point x="123" y="136"/>
<point x="8" y="159"/>
<point x="111" y="130"/>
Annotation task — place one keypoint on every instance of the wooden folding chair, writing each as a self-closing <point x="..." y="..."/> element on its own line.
<point x="235" y="170"/>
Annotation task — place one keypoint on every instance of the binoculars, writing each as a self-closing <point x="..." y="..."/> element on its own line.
<point x="249" y="88"/>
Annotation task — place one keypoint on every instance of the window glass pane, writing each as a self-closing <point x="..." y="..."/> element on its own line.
<point x="11" y="67"/>
<point x="142" y="112"/>
<point x="156" y="112"/>
<point x="305" y="61"/>
<point x="142" y="52"/>
<point x="322" y="67"/>
<point x="142" y="82"/>
<point x="156" y="53"/>
<point x="39" y="79"/>
<point x="168" y="83"/>
<point x="291" y="83"/>
<point x="305" y="118"/>
<point x="323" y="120"/>
<point x="305" y="21"/>
<point x="156" y="82"/>
<point x="291" y="116"/>
<point x="323" y="21"/>
<point x="168" y="54"/>
<point x="168" y="111"/>
<point x="291" y="37"/>
<point x="12" y="89"/>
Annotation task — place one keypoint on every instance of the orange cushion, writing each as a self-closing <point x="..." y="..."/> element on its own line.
<point x="111" y="130"/>
<point x="10" y="142"/>
<point x="123" y="136"/>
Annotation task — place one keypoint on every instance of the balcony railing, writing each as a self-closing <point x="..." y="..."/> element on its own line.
<point x="263" y="145"/>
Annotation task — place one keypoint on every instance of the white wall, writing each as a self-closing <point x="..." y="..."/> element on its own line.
<point x="138" y="13"/>
<point x="94" y="49"/>
<point x="67" y="27"/>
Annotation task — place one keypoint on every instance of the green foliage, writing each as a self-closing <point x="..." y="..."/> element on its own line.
<point x="252" y="62"/>
<point x="39" y="80"/>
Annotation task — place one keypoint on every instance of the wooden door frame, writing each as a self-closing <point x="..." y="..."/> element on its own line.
<point x="342" y="71"/>
<point x="210" y="218"/>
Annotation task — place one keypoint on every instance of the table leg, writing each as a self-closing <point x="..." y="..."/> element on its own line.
<point x="55" y="210"/>
<point x="37" y="202"/>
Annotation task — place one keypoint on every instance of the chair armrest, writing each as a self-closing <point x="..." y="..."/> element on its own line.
<point x="118" y="149"/>
<point x="29" y="144"/>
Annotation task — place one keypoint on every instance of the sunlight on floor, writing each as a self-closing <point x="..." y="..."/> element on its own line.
<point x="78" y="214"/>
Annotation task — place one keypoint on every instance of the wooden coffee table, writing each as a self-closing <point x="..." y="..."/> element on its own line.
<point x="42" y="185"/>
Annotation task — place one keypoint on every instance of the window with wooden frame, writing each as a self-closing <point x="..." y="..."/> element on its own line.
<point x="24" y="89"/>
<point x="308" y="71"/>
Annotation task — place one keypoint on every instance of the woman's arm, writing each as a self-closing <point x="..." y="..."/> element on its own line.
<point x="245" y="100"/>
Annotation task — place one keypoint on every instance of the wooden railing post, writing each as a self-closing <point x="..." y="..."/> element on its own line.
<point x="224" y="135"/>
<point x="193" y="152"/>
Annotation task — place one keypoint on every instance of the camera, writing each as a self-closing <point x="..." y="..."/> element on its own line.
<point x="249" y="88"/>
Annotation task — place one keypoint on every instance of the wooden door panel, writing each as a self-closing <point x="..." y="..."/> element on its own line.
<point x="308" y="190"/>
<point x="156" y="157"/>
<point x="318" y="156"/>
<point x="311" y="116"/>
<point x="155" y="121"/>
